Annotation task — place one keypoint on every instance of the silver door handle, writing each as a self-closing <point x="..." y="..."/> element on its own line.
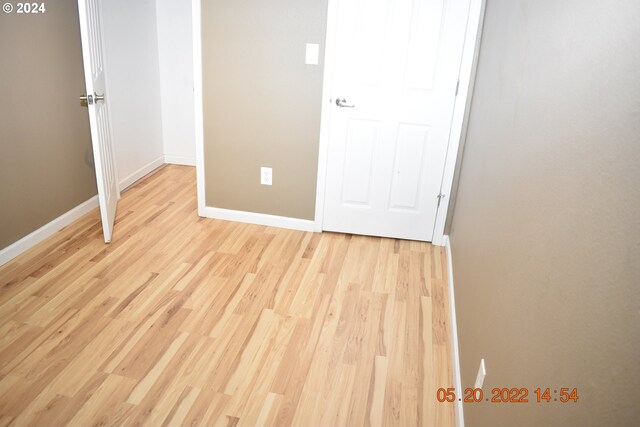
<point x="87" y="98"/>
<point x="98" y="97"/>
<point x="342" y="103"/>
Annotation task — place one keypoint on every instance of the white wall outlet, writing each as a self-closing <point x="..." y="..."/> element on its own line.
<point x="312" y="54"/>
<point x="482" y="372"/>
<point x="266" y="176"/>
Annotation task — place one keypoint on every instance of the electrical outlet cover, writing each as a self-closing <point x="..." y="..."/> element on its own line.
<point x="266" y="176"/>
<point x="482" y="372"/>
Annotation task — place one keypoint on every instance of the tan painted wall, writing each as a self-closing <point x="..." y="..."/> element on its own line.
<point x="262" y="103"/>
<point x="45" y="147"/>
<point x="546" y="230"/>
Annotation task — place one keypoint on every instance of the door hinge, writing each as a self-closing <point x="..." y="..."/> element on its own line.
<point x="440" y="197"/>
<point x="457" y="87"/>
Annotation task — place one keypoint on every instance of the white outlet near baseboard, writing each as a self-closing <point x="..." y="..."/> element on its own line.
<point x="266" y="176"/>
<point x="482" y="372"/>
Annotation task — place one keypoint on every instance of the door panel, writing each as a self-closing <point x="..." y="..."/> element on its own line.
<point x="93" y="59"/>
<point x="423" y="45"/>
<point x="408" y="167"/>
<point x="398" y="62"/>
<point x="359" y="154"/>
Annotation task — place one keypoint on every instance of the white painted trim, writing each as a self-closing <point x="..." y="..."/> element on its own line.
<point x="259" y="218"/>
<point x="180" y="160"/>
<point x="197" y="101"/>
<point x="141" y="173"/>
<point x="325" y="114"/>
<point x="460" y="111"/>
<point x="47" y="230"/>
<point x="455" y="354"/>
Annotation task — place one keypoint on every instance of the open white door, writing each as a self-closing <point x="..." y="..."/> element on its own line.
<point x="394" y="83"/>
<point x="93" y="59"/>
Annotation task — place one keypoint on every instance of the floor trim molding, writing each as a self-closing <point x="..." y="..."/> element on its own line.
<point x="180" y="160"/>
<point x="259" y="219"/>
<point x="47" y="230"/>
<point x="141" y="173"/>
<point x="455" y="354"/>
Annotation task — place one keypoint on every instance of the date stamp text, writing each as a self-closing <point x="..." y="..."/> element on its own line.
<point x="509" y="395"/>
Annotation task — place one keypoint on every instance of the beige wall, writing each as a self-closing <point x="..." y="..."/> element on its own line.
<point x="546" y="230"/>
<point x="262" y="104"/>
<point x="45" y="148"/>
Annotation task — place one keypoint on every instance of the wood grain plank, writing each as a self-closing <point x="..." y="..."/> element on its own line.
<point x="191" y="321"/>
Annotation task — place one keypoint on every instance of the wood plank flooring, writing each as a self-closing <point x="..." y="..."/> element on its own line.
<point x="190" y="321"/>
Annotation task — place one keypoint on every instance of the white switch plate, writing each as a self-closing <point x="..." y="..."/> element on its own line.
<point x="266" y="176"/>
<point x="482" y="372"/>
<point x="312" y="54"/>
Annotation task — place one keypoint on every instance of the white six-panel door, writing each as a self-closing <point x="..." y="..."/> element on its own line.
<point x="396" y="65"/>
<point x="93" y="59"/>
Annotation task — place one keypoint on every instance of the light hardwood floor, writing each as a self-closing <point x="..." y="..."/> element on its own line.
<point x="191" y="321"/>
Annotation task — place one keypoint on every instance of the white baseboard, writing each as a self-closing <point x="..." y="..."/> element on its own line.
<point x="259" y="219"/>
<point x="180" y="160"/>
<point x="141" y="173"/>
<point x="455" y="356"/>
<point x="47" y="230"/>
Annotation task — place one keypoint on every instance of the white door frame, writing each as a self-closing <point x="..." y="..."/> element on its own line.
<point x="476" y="9"/>
<point x="466" y="76"/>
<point x="196" y="20"/>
